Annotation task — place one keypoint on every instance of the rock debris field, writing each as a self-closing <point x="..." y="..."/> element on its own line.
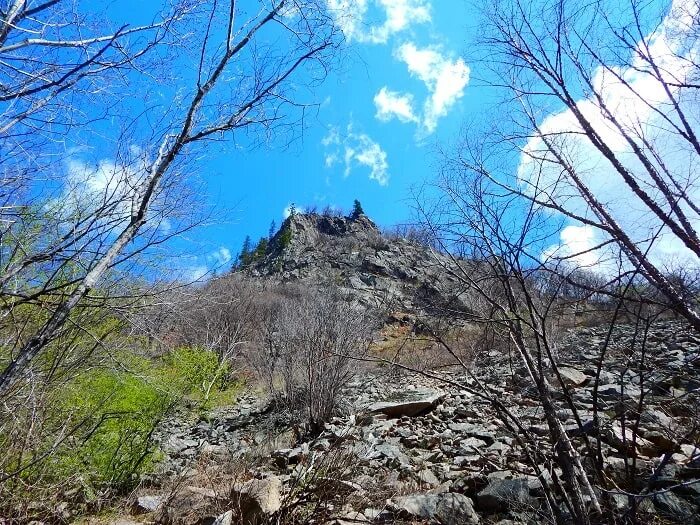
<point x="414" y="449"/>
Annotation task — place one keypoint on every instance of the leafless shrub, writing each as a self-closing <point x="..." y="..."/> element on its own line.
<point x="319" y="487"/>
<point x="332" y="211"/>
<point x="413" y="233"/>
<point x="316" y="488"/>
<point x="305" y="356"/>
<point x="222" y="316"/>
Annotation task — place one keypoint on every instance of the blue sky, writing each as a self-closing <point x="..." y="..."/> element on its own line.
<point x="406" y="81"/>
<point x="397" y="52"/>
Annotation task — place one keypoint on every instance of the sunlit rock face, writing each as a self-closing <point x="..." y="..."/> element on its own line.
<point x="354" y="256"/>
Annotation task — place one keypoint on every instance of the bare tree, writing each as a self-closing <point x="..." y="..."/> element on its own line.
<point x="241" y="81"/>
<point x="617" y="154"/>
<point x="512" y="189"/>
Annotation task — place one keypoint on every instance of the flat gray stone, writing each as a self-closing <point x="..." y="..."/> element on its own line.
<point x="571" y="377"/>
<point x="416" y="403"/>
<point x="447" y="508"/>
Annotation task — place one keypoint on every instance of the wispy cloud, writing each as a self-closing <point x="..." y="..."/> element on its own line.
<point x="107" y="185"/>
<point x="391" y="104"/>
<point x="202" y="267"/>
<point x="352" y="17"/>
<point x="197" y="273"/>
<point x="444" y="77"/>
<point x="108" y="189"/>
<point x="356" y="149"/>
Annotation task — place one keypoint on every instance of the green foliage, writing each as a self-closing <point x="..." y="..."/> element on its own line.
<point x="245" y="257"/>
<point x="197" y="373"/>
<point x="108" y="416"/>
<point x="285" y="236"/>
<point x="357" y="210"/>
<point x="251" y="255"/>
<point x="116" y="412"/>
<point x="260" y="250"/>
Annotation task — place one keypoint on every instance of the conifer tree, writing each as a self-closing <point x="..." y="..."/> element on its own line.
<point x="260" y="250"/>
<point x="273" y="229"/>
<point x="246" y="252"/>
<point x="357" y="210"/>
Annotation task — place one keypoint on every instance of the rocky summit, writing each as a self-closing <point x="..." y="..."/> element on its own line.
<point x="354" y="256"/>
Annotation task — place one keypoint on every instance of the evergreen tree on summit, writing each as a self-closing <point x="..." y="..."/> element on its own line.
<point x="260" y="250"/>
<point x="244" y="258"/>
<point x="357" y="210"/>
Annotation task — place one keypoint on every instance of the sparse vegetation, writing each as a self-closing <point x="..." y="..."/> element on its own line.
<point x="527" y="351"/>
<point x="307" y="352"/>
<point x="285" y="236"/>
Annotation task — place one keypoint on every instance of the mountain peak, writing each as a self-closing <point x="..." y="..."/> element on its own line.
<point x="352" y="254"/>
<point x="308" y="226"/>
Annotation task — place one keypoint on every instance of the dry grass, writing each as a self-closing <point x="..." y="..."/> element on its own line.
<point x="408" y="344"/>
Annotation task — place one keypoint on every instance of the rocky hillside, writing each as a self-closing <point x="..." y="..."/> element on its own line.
<point x="354" y="256"/>
<point x="451" y="444"/>
<point x="415" y="450"/>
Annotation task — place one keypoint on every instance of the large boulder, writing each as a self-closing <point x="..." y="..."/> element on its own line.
<point x="571" y="377"/>
<point x="505" y="494"/>
<point x="415" y="403"/>
<point x="257" y="499"/>
<point x="446" y="508"/>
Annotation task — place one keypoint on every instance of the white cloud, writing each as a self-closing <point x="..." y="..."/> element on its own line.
<point x="220" y="257"/>
<point x="392" y="104"/>
<point x="370" y="154"/>
<point x="576" y="246"/>
<point x="352" y="17"/>
<point x="356" y="149"/>
<point x="639" y="119"/>
<point x="444" y="78"/>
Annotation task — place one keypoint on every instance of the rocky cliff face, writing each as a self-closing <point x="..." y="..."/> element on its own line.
<point x="354" y="256"/>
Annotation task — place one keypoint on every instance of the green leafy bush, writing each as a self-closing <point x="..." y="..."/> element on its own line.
<point x="116" y="412"/>
<point x="93" y="433"/>
<point x="197" y="372"/>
